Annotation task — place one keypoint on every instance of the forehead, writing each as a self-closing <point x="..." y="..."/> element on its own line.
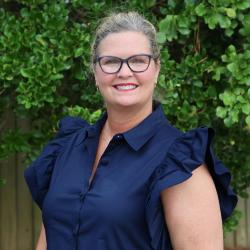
<point x="124" y="44"/>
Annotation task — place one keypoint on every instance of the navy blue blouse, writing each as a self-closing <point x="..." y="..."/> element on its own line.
<point x="121" y="209"/>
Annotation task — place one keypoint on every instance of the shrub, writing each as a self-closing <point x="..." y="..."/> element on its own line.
<point x="205" y="77"/>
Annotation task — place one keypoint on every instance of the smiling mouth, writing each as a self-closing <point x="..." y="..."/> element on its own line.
<point x="125" y="87"/>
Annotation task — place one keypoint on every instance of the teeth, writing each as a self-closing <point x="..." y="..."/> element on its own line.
<point x="125" y="87"/>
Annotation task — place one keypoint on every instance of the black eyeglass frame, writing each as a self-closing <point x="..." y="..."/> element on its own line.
<point x="98" y="59"/>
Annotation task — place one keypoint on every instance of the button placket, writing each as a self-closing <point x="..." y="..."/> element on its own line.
<point x="119" y="136"/>
<point x="84" y="191"/>
<point x="82" y="195"/>
<point x="105" y="158"/>
<point x="76" y="230"/>
<point x="104" y="161"/>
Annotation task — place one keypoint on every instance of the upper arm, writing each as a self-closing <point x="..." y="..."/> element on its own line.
<point x="192" y="213"/>
<point x="42" y="243"/>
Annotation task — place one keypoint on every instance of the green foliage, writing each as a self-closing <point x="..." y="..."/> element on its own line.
<point x="232" y="223"/>
<point x="205" y="75"/>
<point x="14" y="141"/>
<point x="2" y="181"/>
<point x="84" y="113"/>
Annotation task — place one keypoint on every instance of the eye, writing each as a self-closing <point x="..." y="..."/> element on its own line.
<point x="110" y="60"/>
<point x="139" y="60"/>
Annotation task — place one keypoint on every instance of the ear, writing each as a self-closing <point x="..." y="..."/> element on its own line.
<point x="92" y="68"/>
<point x="158" y="68"/>
<point x="96" y="82"/>
<point x="158" y="63"/>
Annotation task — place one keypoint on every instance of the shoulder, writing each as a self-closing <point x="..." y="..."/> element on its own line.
<point x="70" y="124"/>
<point x="188" y="152"/>
<point x="174" y="139"/>
<point x="192" y="144"/>
<point x="38" y="174"/>
<point x="189" y="169"/>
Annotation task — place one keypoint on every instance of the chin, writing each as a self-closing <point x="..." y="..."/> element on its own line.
<point x="125" y="103"/>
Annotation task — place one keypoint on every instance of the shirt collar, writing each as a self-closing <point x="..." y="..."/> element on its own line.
<point x="141" y="133"/>
<point x="91" y="131"/>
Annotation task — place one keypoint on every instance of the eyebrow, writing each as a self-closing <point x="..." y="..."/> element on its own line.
<point x="139" y="54"/>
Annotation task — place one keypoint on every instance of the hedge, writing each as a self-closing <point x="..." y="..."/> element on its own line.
<point x="204" y="81"/>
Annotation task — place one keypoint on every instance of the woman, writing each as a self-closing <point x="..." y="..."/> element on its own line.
<point x="131" y="181"/>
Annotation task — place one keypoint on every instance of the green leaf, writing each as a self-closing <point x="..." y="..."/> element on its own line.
<point x="242" y="5"/>
<point x="184" y="31"/>
<point x="223" y="21"/>
<point x="230" y="12"/>
<point x="211" y="21"/>
<point x="235" y="115"/>
<point x="40" y="39"/>
<point x="2" y="181"/>
<point x="245" y="30"/>
<point x="169" y="27"/>
<point x="27" y="73"/>
<point x="228" y="98"/>
<point x="221" y="112"/>
<point x="246" y="109"/>
<point x="229" y="32"/>
<point x="164" y="24"/>
<point x="95" y="116"/>
<point x="198" y="83"/>
<point x="150" y="3"/>
<point x="248" y="120"/>
<point x="56" y="77"/>
<point x="201" y="9"/>
<point x="228" y="122"/>
<point x="79" y="52"/>
<point x="161" y="37"/>
<point x="232" y="67"/>
<point x="212" y="91"/>
<point x="240" y="99"/>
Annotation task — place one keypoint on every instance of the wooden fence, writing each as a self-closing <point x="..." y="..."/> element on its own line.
<point x="20" y="218"/>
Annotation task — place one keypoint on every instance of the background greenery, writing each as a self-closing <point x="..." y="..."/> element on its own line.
<point x="205" y="75"/>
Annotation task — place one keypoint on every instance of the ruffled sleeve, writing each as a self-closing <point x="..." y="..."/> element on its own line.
<point x="39" y="173"/>
<point x="186" y="153"/>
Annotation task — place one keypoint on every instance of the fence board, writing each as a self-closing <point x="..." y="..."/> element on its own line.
<point x="247" y="213"/>
<point x="229" y="240"/>
<point x="24" y="202"/>
<point x="8" y="195"/>
<point x="241" y="235"/>
<point x="20" y="218"/>
<point x="36" y="223"/>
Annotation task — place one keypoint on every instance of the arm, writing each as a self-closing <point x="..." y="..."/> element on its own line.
<point x="42" y="244"/>
<point x="192" y="213"/>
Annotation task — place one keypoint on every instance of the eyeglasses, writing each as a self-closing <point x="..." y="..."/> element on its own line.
<point x="112" y="64"/>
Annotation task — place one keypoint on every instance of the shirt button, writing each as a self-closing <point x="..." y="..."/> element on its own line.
<point x="119" y="136"/>
<point x="76" y="230"/>
<point x="104" y="162"/>
<point x="82" y="195"/>
<point x="49" y="169"/>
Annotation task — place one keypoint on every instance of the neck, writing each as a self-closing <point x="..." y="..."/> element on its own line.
<point x="122" y="119"/>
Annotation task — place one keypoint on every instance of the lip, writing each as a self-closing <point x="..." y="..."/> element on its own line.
<point x="125" y="84"/>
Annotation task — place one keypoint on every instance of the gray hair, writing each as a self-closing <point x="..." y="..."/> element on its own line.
<point x="125" y="21"/>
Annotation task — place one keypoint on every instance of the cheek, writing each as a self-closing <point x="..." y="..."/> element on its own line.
<point x="148" y="77"/>
<point x="103" y="79"/>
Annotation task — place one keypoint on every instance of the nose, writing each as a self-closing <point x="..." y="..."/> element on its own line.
<point x="125" y="71"/>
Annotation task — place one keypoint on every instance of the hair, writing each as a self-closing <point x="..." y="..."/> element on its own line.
<point x="125" y="21"/>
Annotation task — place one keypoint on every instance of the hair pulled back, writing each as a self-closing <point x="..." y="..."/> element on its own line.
<point x="125" y="21"/>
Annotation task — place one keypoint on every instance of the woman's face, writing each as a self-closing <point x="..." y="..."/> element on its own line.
<point x="126" y="88"/>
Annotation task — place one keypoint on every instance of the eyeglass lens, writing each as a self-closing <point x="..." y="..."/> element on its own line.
<point x="137" y="63"/>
